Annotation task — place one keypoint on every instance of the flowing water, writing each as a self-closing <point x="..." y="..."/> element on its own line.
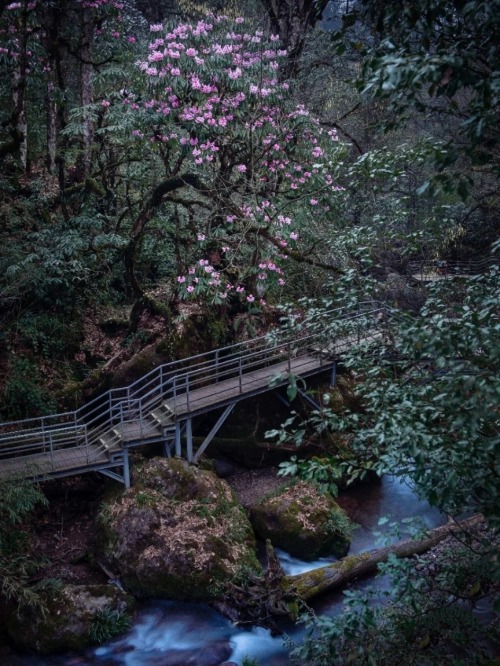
<point x="167" y="633"/>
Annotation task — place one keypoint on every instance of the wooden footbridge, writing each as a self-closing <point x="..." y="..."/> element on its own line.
<point x="161" y="405"/>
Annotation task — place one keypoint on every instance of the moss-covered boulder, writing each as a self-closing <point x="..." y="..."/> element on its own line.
<point x="76" y="617"/>
<point x="178" y="533"/>
<point x="303" y="521"/>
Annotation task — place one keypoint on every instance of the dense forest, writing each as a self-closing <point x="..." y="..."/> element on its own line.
<point x="177" y="176"/>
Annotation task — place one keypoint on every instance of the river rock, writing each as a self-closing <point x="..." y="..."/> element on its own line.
<point x="69" y="623"/>
<point x="303" y="521"/>
<point x="178" y="533"/>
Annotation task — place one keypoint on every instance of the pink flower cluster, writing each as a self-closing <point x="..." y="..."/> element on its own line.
<point x="218" y="102"/>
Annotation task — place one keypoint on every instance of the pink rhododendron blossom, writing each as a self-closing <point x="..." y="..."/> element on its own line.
<point x="216" y="108"/>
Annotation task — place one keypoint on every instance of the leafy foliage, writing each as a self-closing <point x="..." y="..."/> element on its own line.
<point x="440" y="58"/>
<point x="107" y="624"/>
<point x="17" y="499"/>
<point x="415" y="618"/>
<point x="23" y="394"/>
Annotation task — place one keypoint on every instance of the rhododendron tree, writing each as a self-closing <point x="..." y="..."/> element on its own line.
<point x="245" y="170"/>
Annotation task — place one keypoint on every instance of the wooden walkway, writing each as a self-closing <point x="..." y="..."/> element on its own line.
<point x="160" y="406"/>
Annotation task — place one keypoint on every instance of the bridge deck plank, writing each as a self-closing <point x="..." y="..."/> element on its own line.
<point x="219" y="393"/>
<point x="52" y="462"/>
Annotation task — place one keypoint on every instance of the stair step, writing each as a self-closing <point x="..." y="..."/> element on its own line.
<point x="161" y="418"/>
<point x="165" y="407"/>
<point x="110" y="439"/>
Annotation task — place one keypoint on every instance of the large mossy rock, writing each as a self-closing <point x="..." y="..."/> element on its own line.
<point x="76" y="615"/>
<point x="303" y="521"/>
<point x="178" y="533"/>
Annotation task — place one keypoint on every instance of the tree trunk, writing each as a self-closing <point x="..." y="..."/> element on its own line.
<point x="263" y="598"/>
<point x="19" y="120"/>
<point x="312" y="583"/>
<point x="292" y="19"/>
<point x="51" y="122"/>
<point x="86" y="84"/>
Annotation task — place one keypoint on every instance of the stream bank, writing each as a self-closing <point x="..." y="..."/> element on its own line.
<point x="178" y="633"/>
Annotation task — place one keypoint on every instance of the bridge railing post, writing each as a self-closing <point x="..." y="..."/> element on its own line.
<point x="87" y="448"/>
<point x="128" y="397"/>
<point x="187" y="391"/>
<point x="141" y="421"/>
<point x="43" y="434"/>
<point x="240" y="373"/>
<point x="51" y="449"/>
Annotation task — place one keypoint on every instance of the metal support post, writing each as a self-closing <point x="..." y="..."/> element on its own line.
<point x="333" y="379"/>
<point x="126" y="469"/>
<point x="214" y="431"/>
<point x="178" y="450"/>
<point x="189" y="440"/>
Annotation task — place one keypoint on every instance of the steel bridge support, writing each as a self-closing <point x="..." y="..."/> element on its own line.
<point x="125" y="477"/>
<point x="214" y="431"/>
<point x="308" y="399"/>
<point x="333" y="378"/>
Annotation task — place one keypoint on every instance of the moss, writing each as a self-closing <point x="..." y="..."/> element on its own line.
<point x="72" y="610"/>
<point x="303" y="522"/>
<point x="178" y="533"/>
<point x="350" y="561"/>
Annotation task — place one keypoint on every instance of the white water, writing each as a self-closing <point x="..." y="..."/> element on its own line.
<point x="167" y="633"/>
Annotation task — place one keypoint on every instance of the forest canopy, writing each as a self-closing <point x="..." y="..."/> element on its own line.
<point x="176" y="176"/>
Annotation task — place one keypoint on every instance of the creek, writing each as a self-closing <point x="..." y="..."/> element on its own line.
<point x="168" y="633"/>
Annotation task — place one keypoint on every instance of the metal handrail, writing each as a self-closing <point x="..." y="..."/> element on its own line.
<point x="449" y="268"/>
<point x="114" y="409"/>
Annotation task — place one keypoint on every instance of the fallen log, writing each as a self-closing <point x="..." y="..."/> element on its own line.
<point x="336" y="575"/>
<point x="261" y="599"/>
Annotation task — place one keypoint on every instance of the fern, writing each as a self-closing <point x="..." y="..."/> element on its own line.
<point x="108" y="623"/>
